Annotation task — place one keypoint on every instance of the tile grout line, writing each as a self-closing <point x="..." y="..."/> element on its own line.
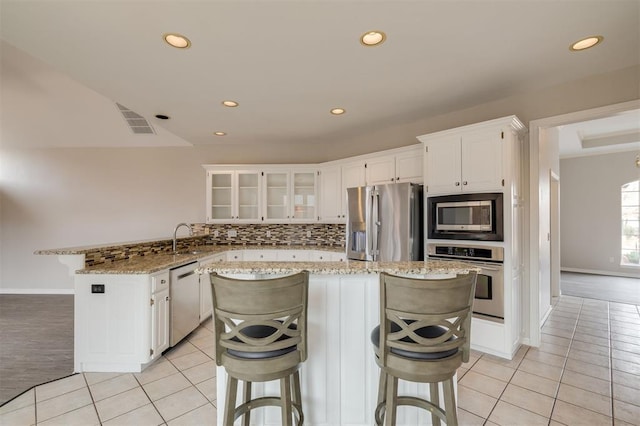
<point x="613" y="416"/>
<point x="505" y="388"/>
<point x="564" y="364"/>
<point x="150" y="400"/>
<point x="93" y="402"/>
<point x="192" y="384"/>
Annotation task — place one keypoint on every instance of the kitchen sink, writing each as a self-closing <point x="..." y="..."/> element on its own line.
<point x="188" y="252"/>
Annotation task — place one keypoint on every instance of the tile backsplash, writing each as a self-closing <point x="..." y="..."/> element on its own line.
<point x="272" y="234"/>
<point x="332" y="235"/>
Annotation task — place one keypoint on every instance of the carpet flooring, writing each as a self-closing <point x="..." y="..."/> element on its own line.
<point x="36" y="332"/>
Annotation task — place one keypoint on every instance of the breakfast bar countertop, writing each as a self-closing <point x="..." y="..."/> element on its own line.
<point x="348" y="267"/>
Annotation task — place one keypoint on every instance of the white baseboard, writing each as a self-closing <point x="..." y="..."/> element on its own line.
<point x="598" y="272"/>
<point x="36" y="291"/>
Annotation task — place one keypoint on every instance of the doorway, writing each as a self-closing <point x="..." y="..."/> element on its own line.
<point x="554" y="235"/>
<point x="543" y="153"/>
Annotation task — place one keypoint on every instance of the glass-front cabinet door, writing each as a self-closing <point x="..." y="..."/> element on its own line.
<point x="303" y="188"/>
<point x="248" y="196"/>
<point x="233" y="196"/>
<point x="220" y="196"/>
<point x="276" y="196"/>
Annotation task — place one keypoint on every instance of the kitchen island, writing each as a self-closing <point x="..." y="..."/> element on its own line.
<point x="339" y="380"/>
<point x="122" y="318"/>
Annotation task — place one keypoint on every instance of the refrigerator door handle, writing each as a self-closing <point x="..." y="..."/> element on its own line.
<point x="375" y="224"/>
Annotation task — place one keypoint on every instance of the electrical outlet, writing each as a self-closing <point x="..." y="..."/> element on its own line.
<point x="232" y="233"/>
<point x="97" y="288"/>
<point x="268" y="233"/>
<point x="308" y="234"/>
<point x="216" y="233"/>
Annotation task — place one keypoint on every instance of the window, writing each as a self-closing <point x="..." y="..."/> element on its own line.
<point x="630" y="205"/>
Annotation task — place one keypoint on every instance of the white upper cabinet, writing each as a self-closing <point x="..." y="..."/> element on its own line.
<point x="276" y="196"/>
<point x="481" y="161"/>
<point x="233" y="195"/>
<point x="380" y="170"/>
<point x="256" y="195"/>
<point x="303" y="195"/>
<point x="469" y="158"/>
<point x="289" y="195"/>
<point x="330" y="190"/>
<point x="334" y="181"/>
<point x="401" y="167"/>
<point x="353" y="174"/>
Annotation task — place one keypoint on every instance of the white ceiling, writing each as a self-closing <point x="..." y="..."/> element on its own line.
<point x="287" y="63"/>
<point x="617" y="133"/>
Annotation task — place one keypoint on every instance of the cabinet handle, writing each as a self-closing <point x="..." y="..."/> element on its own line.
<point x="464" y="183"/>
<point x="163" y="281"/>
<point x="166" y="298"/>
<point x="392" y="179"/>
<point x="398" y="178"/>
<point x="457" y="183"/>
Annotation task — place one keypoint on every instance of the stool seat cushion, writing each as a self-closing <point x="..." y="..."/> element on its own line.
<point x="257" y="332"/>
<point x="429" y="332"/>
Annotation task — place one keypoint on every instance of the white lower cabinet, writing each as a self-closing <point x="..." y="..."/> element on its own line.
<point x="259" y="255"/>
<point x="160" y="305"/>
<point x="113" y="322"/>
<point x="293" y="255"/>
<point x="122" y="321"/>
<point x="234" y="255"/>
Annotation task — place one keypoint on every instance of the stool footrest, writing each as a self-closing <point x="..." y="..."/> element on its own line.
<point x="267" y="401"/>
<point x="412" y="401"/>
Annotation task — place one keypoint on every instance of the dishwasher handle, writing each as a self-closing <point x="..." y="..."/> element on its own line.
<point x="181" y="276"/>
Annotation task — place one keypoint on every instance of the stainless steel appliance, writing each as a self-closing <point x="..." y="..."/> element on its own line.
<point x="466" y="217"/>
<point x="384" y="222"/>
<point x="489" y="299"/>
<point x="184" y="289"/>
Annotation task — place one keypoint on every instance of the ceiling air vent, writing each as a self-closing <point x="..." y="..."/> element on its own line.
<point x="137" y="123"/>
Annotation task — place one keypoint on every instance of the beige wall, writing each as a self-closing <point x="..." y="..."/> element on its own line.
<point x="590" y="211"/>
<point x="68" y="197"/>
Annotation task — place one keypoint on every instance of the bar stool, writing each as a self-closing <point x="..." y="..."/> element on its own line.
<point x="423" y="336"/>
<point x="260" y="330"/>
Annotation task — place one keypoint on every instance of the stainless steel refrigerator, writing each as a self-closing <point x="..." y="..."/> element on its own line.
<point x="385" y="222"/>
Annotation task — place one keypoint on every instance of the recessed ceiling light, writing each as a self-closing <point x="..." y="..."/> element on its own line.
<point x="585" y="43"/>
<point x="162" y="117"/>
<point x="177" y="40"/>
<point x="230" y="104"/>
<point x="338" y="111"/>
<point x="220" y="133"/>
<point x="373" y="38"/>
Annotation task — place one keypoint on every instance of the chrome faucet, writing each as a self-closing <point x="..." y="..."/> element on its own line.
<point x="175" y="231"/>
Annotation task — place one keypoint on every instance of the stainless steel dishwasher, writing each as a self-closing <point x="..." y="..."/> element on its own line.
<point x="185" y="301"/>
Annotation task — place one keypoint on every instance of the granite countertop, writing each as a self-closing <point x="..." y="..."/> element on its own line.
<point x="431" y="266"/>
<point x="158" y="262"/>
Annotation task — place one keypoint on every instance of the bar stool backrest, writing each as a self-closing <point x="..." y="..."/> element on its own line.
<point x="244" y="309"/>
<point x="442" y="307"/>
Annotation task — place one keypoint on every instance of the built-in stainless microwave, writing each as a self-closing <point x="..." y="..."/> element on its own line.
<point x="466" y="217"/>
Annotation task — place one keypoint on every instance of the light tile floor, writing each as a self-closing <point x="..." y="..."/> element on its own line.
<point x="586" y="372"/>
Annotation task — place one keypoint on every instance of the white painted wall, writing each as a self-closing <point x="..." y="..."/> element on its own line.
<point x="590" y="211"/>
<point x="72" y="197"/>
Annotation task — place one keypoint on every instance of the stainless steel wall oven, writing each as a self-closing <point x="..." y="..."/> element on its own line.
<point x="489" y="299"/>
